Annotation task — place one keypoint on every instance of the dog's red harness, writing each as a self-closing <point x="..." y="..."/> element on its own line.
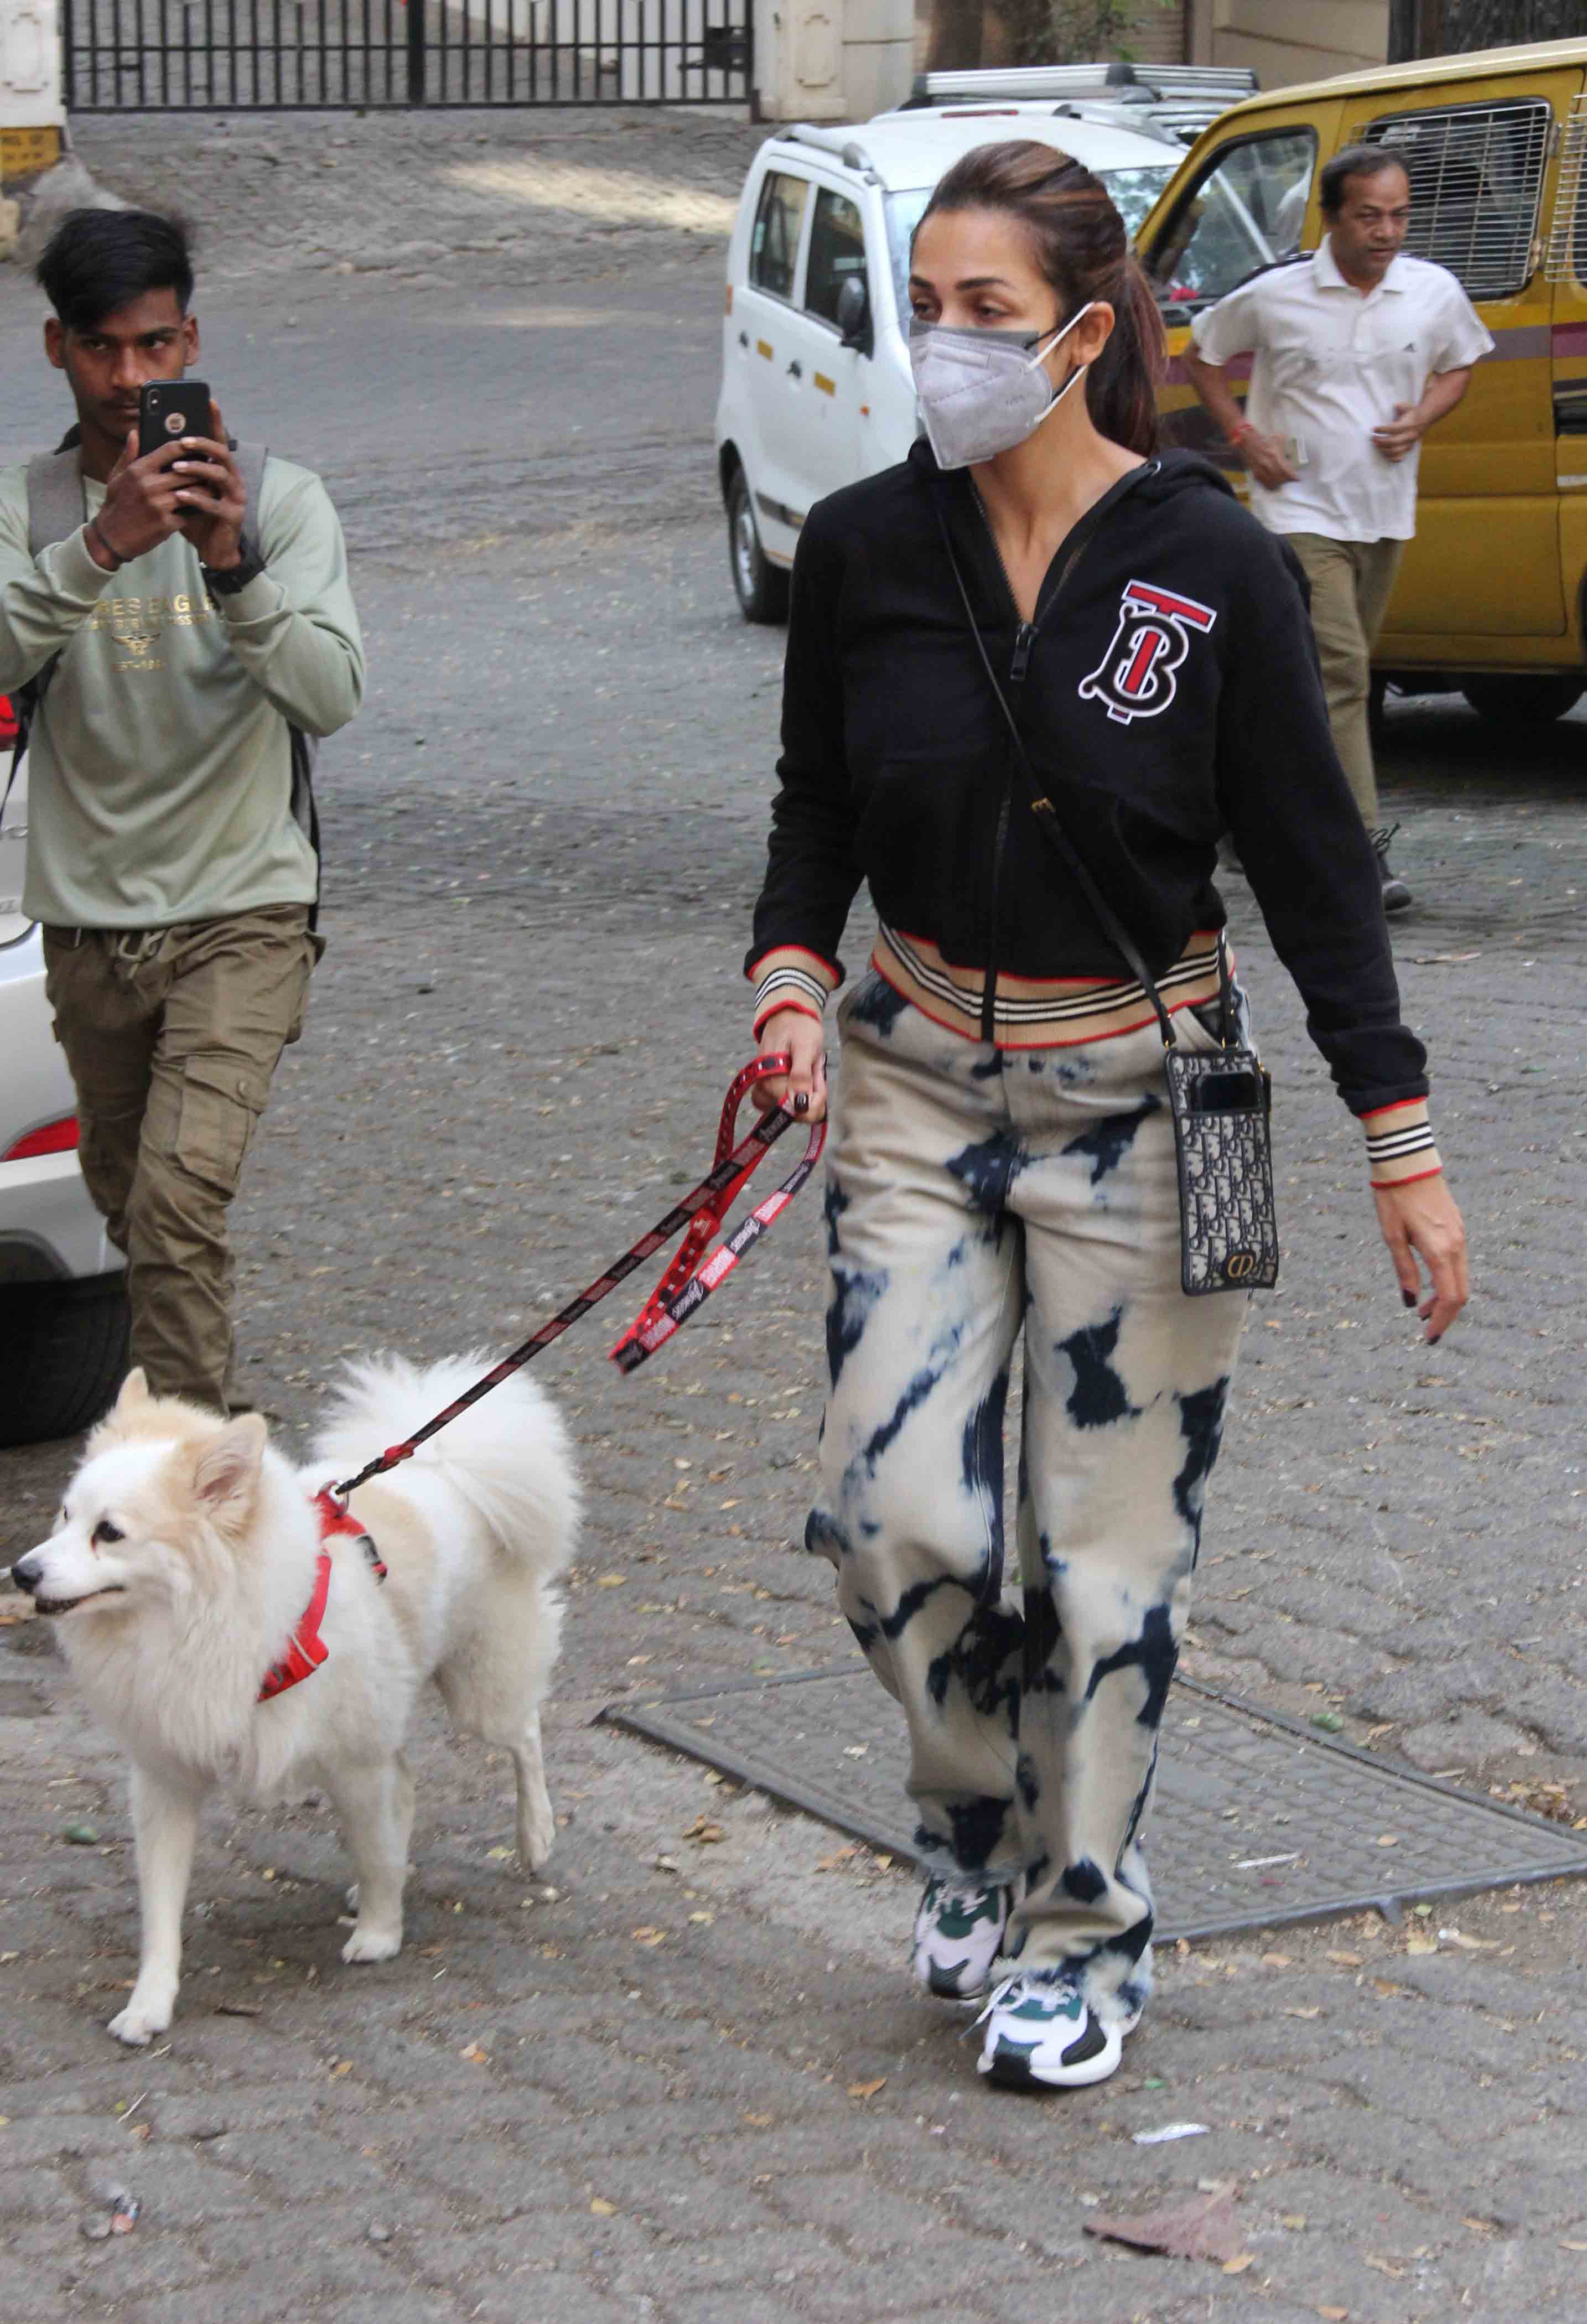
<point x="307" y="1649"/>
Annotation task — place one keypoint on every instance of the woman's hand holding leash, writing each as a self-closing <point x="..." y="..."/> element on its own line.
<point x="1422" y="1218"/>
<point x="803" y="1090"/>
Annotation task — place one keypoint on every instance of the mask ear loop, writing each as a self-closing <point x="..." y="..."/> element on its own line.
<point x="1080" y="370"/>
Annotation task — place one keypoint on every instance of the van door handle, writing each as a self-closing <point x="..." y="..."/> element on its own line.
<point x="796" y="370"/>
<point x="743" y="338"/>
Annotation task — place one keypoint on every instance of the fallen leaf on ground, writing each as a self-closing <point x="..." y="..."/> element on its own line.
<point x="1334" y="2315"/>
<point x="1238" y="2265"/>
<point x="601" y="2209"/>
<point x="476" y="2055"/>
<point x="1346" y="1961"/>
<point x="1171" y="2130"/>
<point x="1421" y="1945"/>
<point x="704" y="1831"/>
<point x="1384" y="2266"/>
<point x="1303" y="2013"/>
<point x="1204" y="2228"/>
<point x="758" y="2121"/>
<point x="1278" y="1961"/>
<point x="1293" y="2219"/>
<point x="1572" y="2246"/>
<point x="649" y="1936"/>
<point x="867" y="2089"/>
<point x="495" y="1855"/>
<point x="1468" y="1944"/>
<point x="610" y="1581"/>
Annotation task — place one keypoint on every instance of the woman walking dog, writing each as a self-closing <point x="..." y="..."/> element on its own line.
<point x="1003" y="1148"/>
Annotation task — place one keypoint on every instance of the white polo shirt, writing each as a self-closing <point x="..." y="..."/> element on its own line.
<point x="1329" y="364"/>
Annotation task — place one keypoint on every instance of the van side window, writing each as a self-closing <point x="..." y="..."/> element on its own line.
<point x="774" y="246"/>
<point x="837" y="250"/>
<point x="1244" y="213"/>
<point x="1476" y="173"/>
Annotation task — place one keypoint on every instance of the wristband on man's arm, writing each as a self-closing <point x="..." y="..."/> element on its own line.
<point x="116" y="560"/>
<point x="1238" y="435"/>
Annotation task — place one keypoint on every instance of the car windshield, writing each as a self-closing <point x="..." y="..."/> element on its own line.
<point x="1133" y="190"/>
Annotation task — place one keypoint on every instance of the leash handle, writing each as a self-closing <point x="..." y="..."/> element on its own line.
<point x="729" y="1172"/>
<point x="688" y="1283"/>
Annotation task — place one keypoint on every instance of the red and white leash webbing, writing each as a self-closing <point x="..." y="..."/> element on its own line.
<point x="685" y="1283"/>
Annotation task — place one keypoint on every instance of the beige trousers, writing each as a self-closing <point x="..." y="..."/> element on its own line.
<point x="973" y="1194"/>
<point x="172" y="1036"/>
<point x="1352" y="582"/>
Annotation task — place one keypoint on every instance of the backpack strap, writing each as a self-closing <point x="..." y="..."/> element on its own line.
<point x="251" y="460"/>
<point x="55" y="511"/>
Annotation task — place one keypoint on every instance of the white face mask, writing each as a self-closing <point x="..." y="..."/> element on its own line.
<point x="981" y="393"/>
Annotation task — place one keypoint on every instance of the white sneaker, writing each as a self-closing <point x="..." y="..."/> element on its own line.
<point x="958" y="1934"/>
<point x="1041" y="2031"/>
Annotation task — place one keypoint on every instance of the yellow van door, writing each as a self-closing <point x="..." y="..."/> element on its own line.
<point x="1248" y="201"/>
<point x="1481" y="155"/>
<point x="1566" y="268"/>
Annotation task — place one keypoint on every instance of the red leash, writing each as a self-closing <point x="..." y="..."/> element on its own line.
<point x="686" y="1284"/>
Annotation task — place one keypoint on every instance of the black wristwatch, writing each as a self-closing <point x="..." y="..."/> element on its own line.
<point x="248" y="567"/>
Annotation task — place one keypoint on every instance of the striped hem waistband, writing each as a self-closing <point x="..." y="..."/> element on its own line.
<point x="1034" y="1012"/>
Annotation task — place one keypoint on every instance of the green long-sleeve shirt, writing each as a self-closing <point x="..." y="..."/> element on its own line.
<point x="160" y="761"/>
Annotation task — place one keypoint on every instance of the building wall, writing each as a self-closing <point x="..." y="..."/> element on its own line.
<point x="1286" y="41"/>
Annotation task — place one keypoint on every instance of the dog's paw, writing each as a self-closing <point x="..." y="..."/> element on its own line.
<point x="138" y="2022"/>
<point x="536" y="1836"/>
<point x="373" y="1945"/>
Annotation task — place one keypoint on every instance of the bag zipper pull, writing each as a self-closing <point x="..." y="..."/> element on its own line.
<point x="1024" y="638"/>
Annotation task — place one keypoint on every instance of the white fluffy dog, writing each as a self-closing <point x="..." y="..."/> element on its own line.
<point x="184" y="1563"/>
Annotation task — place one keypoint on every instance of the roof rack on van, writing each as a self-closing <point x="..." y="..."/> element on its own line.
<point x="1118" y="83"/>
<point x="841" y="142"/>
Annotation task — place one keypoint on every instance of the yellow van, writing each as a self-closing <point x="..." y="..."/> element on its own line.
<point x="1490" y="595"/>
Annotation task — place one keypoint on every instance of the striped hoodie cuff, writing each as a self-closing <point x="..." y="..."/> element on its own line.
<point x="1399" y="1143"/>
<point x="788" y="977"/>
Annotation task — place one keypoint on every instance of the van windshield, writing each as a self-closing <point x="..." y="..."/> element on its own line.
<point x="1132" y="191"/>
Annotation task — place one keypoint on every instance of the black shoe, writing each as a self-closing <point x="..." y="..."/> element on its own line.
<point x="1397" y="896"/>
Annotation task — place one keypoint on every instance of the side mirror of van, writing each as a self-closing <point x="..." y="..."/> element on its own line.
<point x="854" y="314"/>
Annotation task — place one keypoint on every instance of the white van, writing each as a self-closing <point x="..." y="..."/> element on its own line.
<point x="816" y="383"/>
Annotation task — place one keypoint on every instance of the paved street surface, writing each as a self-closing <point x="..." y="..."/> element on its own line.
<point x="687" y="2080"/>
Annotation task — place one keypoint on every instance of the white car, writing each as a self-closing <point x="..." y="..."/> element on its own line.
<point x="817" y="388"/>
<point x="64" y="1312"/>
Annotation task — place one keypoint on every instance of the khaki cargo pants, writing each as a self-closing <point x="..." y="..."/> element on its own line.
<point x="172" y="1036"/>
<point x="1352" y="582"/>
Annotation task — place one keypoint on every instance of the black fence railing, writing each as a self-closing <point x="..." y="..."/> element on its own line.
<point x="134" y="56"/>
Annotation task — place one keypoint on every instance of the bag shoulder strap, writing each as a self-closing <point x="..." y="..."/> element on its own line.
<point x="55" y="498"/>
<point x="1041" y="806"/>
<point x="251" y="460"/>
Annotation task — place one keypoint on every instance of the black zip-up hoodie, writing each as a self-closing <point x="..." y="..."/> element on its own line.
<point x="1166" y="692"/>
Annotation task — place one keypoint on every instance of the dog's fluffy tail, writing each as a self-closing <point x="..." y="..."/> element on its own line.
<point x="508" y="1455"/>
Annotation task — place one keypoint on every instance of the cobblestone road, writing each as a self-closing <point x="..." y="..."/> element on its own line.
<point x="687" y="2082"/>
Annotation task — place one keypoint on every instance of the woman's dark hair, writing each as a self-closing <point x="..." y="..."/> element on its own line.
<point x="1355" y="161"/>
<point x="1079" y="242"/>
<point x="99" y="260"/>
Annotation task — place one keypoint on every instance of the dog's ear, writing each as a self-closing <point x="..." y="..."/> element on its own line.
<point x="134" y="1390"/>
<point x="227" y="1469"/>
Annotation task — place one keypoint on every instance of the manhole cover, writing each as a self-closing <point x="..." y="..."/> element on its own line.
<point x="1257" y="1821"/>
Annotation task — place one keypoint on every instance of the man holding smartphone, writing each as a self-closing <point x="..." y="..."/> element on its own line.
<point x="1356" y="352"/>
<point x="169" y="641"/>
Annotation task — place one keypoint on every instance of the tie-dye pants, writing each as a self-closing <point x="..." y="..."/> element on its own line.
<point x="972" y="1191"/>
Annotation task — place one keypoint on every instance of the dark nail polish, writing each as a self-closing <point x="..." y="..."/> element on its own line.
<point x="1434" y="1337"/>
<point x="1409" y="1298"/>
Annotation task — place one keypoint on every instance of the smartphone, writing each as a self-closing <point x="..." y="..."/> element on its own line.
<point x="171" y="407"/>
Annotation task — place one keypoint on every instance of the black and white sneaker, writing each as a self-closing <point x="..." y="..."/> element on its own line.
<point x="1397" y="896"/>
<point x="958" y="1934"/>
<point x="1041" y="2032"/>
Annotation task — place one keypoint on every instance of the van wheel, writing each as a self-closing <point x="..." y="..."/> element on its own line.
<point x="66" y="1345"/>
<point x="1522" y="701"/>
<point x="760" y="586"/>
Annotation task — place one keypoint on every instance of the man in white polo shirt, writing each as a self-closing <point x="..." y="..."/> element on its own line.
<point x="1356" y="352"/>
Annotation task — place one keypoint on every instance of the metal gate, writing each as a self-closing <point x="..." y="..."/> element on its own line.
<point x="136" y="56"/>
